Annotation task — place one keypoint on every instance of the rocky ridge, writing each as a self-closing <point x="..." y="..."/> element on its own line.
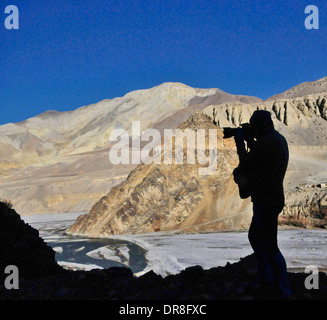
<point x="173" y="196"/>
<point x="301" y="120"/>
<point x="306" y="88"/>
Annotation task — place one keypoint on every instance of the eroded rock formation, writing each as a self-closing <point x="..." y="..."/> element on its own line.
<point x="306" y="207"/>
<point x="173" y="196"/>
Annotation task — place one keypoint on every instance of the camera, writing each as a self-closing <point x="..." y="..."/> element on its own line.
<point x="231" y="132"/>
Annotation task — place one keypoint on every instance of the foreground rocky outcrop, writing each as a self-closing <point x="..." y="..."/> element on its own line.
<point x="236" y="281"/>
<point x="41" y="277"/>
<point x="20" y="245"/>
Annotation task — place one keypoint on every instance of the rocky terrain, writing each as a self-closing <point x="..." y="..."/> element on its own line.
<point x="173" y="196"/>
<point x="303" y="121"/>
<point x="20" y="245"/>
<point x="58" y="161"/>
<point x="170" y="197"/>
<point x="306" y="207"/>
<point x="40" y="278"/>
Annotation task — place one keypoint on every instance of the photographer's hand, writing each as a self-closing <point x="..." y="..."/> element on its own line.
<point x="239" y="136"/>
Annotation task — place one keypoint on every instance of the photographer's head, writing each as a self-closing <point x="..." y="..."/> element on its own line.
<point x="260" y="122"/>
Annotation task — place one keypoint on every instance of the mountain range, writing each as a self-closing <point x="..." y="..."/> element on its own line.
<point x="58" y="161"/>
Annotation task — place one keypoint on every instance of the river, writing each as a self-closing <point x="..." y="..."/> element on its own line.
<point x="168" y="253"/>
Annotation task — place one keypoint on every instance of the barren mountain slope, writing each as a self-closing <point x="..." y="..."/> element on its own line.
<point x="303" y="89"/>
<point x="58" y="161"/>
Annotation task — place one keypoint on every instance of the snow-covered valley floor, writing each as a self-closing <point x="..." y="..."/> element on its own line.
<point x="169" y="253"/>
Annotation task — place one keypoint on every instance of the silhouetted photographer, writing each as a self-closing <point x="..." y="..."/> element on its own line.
<point x="260" y="174"/>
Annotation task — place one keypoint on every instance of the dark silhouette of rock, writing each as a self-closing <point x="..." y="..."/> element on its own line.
<point x="20" y="245"/>
<point x="42" y="279"/>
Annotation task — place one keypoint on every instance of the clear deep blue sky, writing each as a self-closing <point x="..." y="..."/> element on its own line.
<point x="70" y="53"/>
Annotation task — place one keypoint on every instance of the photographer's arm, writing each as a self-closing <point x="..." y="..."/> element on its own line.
<point x="240" y="146"/>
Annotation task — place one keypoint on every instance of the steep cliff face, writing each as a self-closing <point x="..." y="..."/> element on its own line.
<point x="163" y="197"/>
<point x="306" y="207"/>
<point x="301" y="120"/>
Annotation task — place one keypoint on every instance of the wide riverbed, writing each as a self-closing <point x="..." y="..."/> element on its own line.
<point x="169" y="253"/>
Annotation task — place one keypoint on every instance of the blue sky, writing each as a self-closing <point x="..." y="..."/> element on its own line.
<point x="70" y="53"/>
